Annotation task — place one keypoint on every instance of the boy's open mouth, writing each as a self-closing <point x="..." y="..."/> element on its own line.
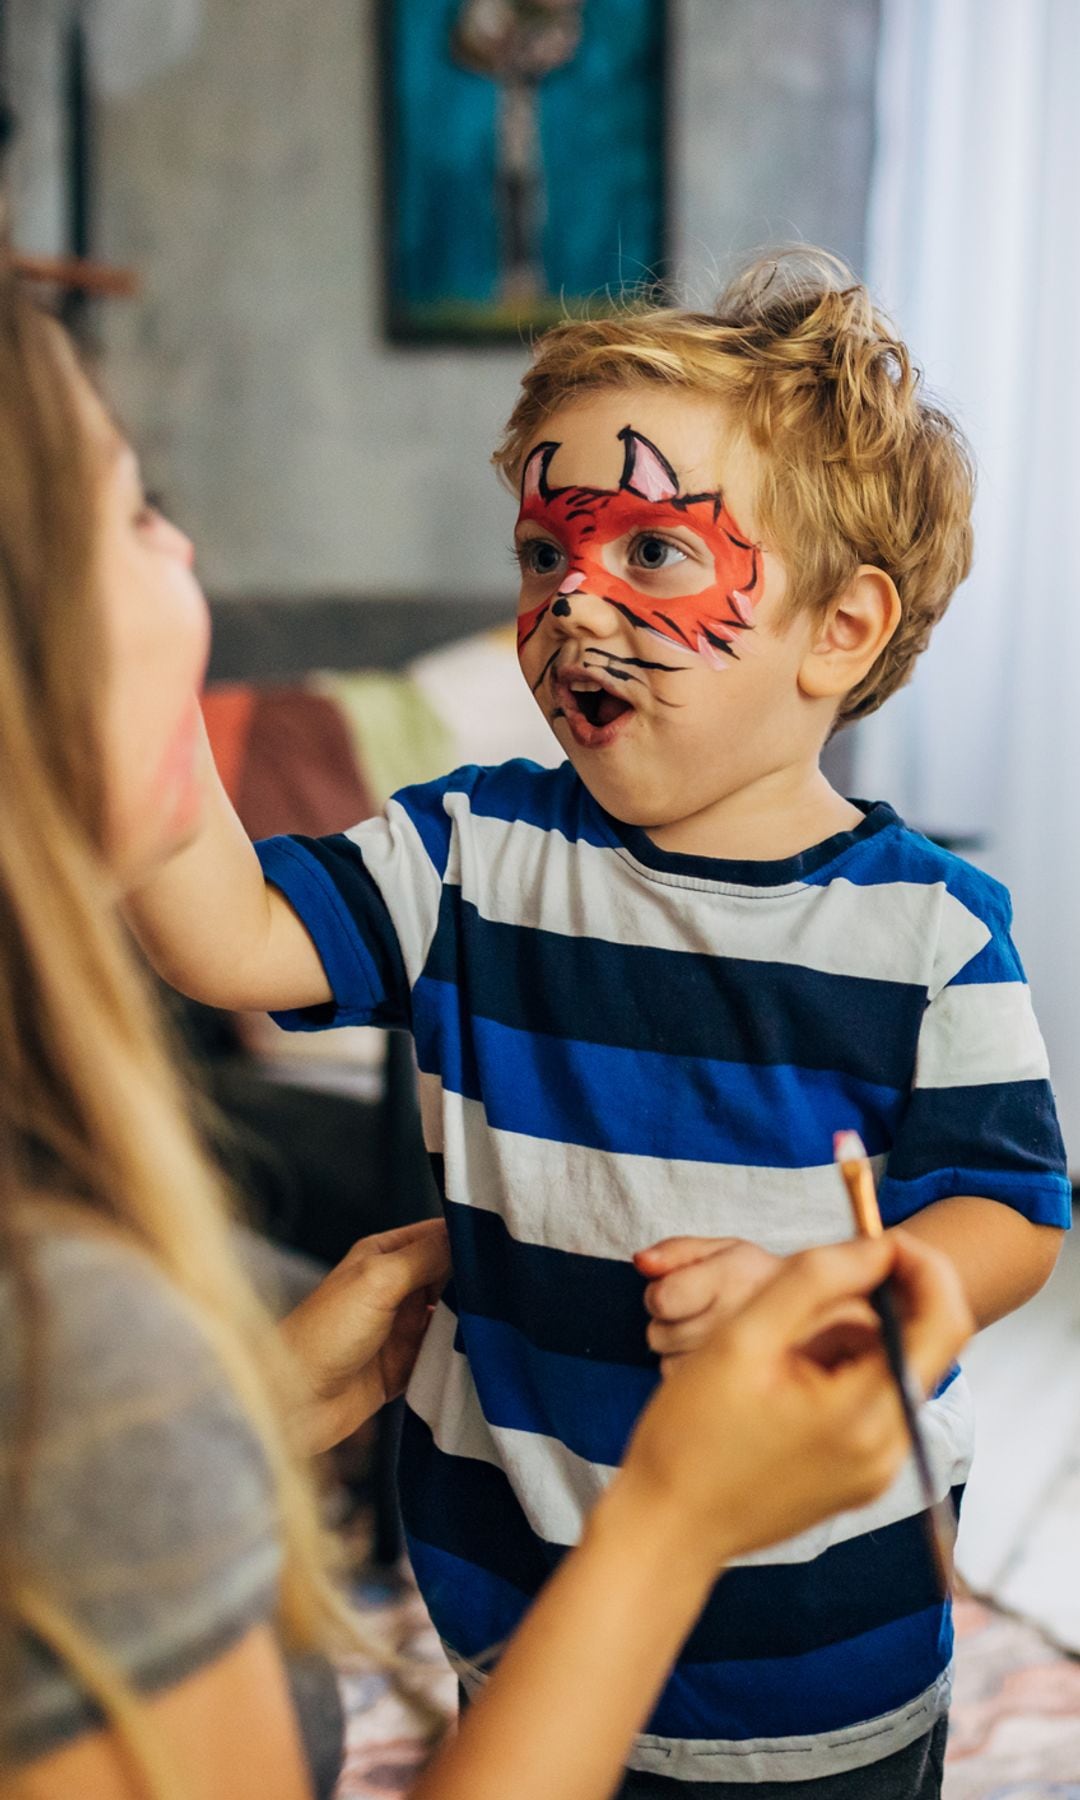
<point x="592" y="710"/>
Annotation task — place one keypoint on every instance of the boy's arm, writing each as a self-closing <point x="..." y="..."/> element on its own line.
<point x="214" y="928"/>
<point x="1002" y="1259"/>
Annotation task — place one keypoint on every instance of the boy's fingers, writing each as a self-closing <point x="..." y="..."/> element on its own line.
<point x="684" y="1294"/>
<point x="684" y="1335"/>
<point x="675" y="1252"/>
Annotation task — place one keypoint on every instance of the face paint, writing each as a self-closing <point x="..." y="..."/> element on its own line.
<point x="647" y="502"/>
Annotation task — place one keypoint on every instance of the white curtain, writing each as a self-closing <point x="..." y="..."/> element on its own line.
<point x="975" y="250"/>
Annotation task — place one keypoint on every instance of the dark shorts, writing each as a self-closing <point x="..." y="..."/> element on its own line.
<point x="912" y="1774"/>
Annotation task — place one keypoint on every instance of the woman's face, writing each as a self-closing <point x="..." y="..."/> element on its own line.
<point x="157" y="639"/>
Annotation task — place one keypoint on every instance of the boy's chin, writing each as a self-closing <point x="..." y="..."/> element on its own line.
<point x="623" y="799"/>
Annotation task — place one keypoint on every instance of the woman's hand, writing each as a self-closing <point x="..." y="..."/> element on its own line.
<point x="357" y="1336"/>
<point x="756" y="1436"/>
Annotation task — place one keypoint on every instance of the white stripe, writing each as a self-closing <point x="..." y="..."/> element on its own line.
<point x="556" y="1489"/>
<point x="598" y="1203"/>
<point x="395" y="858"/>
<point x="978" y="1034"/>
<point x="752" y="1760"/>
<point x="520" y="874"/>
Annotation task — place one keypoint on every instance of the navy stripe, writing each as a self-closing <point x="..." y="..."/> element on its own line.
<point x="781" y="873"/>
<point x="355" y="966"/>
<point x="590" y="1406"/>
<point x="468" y="1507"/>
<point x="770" y="1610"/>
<point x="1007" y="1126"/>
<point x="343" y="863"/>
<point x="576" y="1306"/>
<point x="645" y="1103"/>
<point x="635" y="997"/>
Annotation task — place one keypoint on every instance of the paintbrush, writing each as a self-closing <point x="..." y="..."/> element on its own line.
<point x="858" y="1177"/>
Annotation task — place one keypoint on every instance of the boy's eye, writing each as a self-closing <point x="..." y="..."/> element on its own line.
<point x="653" y="553"/>
<point x="539" y="557"/>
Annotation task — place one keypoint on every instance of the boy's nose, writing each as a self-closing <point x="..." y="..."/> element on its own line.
<point x="576" y="609"/>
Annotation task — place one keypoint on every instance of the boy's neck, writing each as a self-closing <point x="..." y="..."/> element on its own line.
<point x="779" y="815"/>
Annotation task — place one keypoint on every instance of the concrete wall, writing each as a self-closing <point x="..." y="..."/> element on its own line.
<point x="303" y="453"/>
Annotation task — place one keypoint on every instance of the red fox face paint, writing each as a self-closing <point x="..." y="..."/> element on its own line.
<point x="684" y="572"/>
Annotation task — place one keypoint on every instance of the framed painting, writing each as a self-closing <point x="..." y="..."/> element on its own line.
<point x="524" y="160"/>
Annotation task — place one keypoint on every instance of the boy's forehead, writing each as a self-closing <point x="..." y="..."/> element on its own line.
<point x="690" y="429"/>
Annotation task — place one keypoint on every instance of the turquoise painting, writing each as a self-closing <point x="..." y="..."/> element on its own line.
<point x="524" y="160"/>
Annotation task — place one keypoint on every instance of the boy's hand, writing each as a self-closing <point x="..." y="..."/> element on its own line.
<point x="695" y="1283"/>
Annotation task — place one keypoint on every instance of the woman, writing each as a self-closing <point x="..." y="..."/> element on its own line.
<point x="164" y="1594"/>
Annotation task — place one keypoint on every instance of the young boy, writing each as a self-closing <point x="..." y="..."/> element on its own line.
<point x="646" y="988"/>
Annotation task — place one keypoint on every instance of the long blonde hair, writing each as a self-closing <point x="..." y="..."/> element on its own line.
<point x="88" y="1090"/>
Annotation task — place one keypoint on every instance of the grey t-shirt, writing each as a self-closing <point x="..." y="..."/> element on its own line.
<point x="150" y="1509"/>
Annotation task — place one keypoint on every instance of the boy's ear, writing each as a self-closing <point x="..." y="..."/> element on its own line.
<point x="854" y="631"/>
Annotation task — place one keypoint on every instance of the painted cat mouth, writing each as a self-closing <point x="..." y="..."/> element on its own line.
<point x="601" y="708"/>
<point x="592" y="709"/>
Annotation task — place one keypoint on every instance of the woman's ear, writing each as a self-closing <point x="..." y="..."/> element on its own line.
<point x="855" y="630"/>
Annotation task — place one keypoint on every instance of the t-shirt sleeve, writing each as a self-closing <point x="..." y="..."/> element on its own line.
<point x="148" y="1517"/>
<point x="370" y="900"/>
<point x="981" y="1117"/>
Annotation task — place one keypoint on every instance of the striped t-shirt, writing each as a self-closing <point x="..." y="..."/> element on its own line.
<point x="617" y="1044"/>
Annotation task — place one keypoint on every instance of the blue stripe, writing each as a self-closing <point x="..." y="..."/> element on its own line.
<point x="553" y="799"/>
<point x="799" y="1696"/>
<point x="592" y="1307"/>
<point x="1045" y="1199"/>
<point x="424" y="805"/>
<point x="1007" y="1127"/>
<point x="905" y="855"/>
<point x="645" y="1103"/>
<point x="480" y="1609"/>
<point x="822" y="1690"/>
<point x="470" y="1508"/>
<point x="998" y="960"/>
<point x="591" y="1407"/>
<point x="689" y="1004"/>
<point x="315" y="894"/>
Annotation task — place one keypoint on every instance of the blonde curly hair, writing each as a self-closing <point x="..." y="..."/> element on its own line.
<point x="857" y="464"/>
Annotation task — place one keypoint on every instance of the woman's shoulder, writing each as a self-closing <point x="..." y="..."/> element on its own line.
<point x="95" y="1305"/>
<point x="146" y="1503"/>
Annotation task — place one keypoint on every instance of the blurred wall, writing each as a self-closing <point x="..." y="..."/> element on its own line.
<point x="303" y="453"/>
